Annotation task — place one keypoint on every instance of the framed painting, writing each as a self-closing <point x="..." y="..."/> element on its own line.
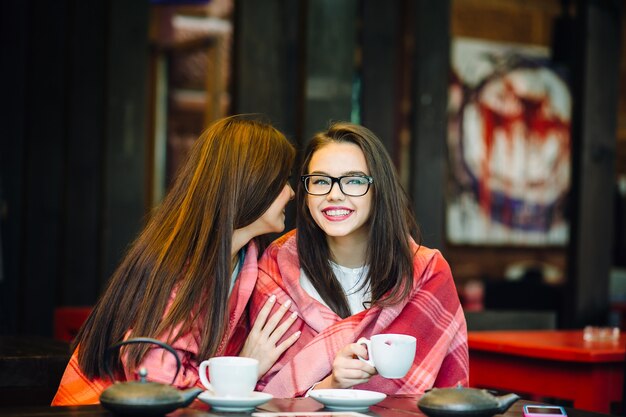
<point x="508" y="145"/>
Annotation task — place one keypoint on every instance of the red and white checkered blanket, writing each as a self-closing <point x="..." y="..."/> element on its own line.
<point x="432" y="314"/>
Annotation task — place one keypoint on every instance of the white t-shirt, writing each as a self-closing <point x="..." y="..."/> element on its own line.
<point x="350" y="280"/>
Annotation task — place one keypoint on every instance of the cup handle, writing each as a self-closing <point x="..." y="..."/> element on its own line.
<point x="365" y="341"/>
<point x="202" y="373"/>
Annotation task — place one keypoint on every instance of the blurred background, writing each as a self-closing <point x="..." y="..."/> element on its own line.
<point x="506" y="120"/>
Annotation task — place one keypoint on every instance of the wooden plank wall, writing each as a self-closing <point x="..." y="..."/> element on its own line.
<point x="72" y="151"/>
<point x="72" y="157"/>
<point x="268" y="61"/>
<point x="430" y="118"/>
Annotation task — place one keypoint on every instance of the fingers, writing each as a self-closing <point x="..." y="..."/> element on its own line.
<point x="351" y="351"/>
<point x="348" y="370"/>
<point x="349" y="377"/>
<point x="273" y="321"/>
<point x="354" y="364"/>
<point x="264" y="313"/>
<point x="369" y="369"/>
<point x="359" y="350"/>
<point x="355" y="375"/>
<point x="282" y="329"/>
<point x="267" y="330"/>
<point x="280" y="348"/>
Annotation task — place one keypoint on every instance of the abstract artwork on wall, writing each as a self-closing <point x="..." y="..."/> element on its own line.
<point x="508" y="145"/>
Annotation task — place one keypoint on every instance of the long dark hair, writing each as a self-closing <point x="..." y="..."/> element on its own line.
<point x="391" y="226"/>
<point x="233" y="173"/>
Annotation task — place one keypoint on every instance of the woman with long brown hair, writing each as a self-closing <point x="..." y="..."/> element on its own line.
<point x="354" y="268"/>
<point x="187" y="278"/>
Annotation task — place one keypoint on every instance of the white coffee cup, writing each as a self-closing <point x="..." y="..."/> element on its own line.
<point x="391" y="354"/>
<point x="230" y="376"/>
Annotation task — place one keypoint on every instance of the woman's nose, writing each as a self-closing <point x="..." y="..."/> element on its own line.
<point x="335" y="192"/>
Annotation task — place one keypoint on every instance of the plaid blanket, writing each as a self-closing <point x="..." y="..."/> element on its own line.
<point x="432" y="314"/>
<point x="76" y="389"/>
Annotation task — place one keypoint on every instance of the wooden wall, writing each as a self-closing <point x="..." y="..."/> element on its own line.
<point x="71" y="153"/>
<point x="72" y="156"/>
<point x="621" y="114"/>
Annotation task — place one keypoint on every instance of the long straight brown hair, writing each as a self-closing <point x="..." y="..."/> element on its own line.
<point x="391" y="226"/>
<point x="233" y="173"/>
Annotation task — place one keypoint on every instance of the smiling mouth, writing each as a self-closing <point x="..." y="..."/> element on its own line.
<point x="337" y="212"/>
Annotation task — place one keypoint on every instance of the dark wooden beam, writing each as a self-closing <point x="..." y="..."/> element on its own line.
<point x="86" y="88"/>
<point x="124" y="201"/>
<point x="331" y="36"/>
<point x="380" y="45"/>
<point x="14" y="29"/>
<point x="430" y="98"/>
<point x="267" y="61"/>
<point x="72" y="154"/>
<point x="594" y="127"/>
<point x="44" y="164"/>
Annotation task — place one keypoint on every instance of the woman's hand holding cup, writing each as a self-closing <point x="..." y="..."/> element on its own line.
<point x="347" y="369"/>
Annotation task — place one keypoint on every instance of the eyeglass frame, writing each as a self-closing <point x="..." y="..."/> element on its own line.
<point x="337" y="180"/>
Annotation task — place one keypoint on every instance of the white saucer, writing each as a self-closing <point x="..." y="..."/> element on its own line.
<point x="234" y="403"/>
<point x="347" y="399"/>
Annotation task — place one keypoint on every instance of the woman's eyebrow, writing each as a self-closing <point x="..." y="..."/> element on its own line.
<point x="343" y="174"/>
<point x="354" y="173"/>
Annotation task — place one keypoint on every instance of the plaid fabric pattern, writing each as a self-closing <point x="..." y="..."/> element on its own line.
<point x="76" y="389"/>
<point x="432" y="313"/>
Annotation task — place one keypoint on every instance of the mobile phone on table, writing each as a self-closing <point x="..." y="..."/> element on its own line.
<point x="536" y="410"/>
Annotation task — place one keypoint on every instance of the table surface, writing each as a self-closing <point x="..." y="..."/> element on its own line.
<point x="30" y="368"/>
<point x="393" y="406"/>
<point x="560" y="345"/>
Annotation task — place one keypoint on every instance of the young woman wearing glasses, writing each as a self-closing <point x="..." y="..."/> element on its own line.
<point x="188" y="277"/>
<point x="353" y="269"/>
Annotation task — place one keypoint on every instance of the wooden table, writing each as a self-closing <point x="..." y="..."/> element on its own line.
<point x="30" y="369"/>
<point x="549" y="363"/>
<point x="395" y="406"/>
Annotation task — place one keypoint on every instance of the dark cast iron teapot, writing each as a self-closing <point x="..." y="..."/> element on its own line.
<point x="144" y="398"/>
<point x="464" y="402"/>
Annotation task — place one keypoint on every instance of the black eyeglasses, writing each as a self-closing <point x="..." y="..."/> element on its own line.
<point x="352" y="185"/>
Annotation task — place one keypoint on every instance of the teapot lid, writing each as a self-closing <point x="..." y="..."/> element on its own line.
<point x="140" y="392"/>
<point x="461" y="401"/>
<point x="458" y="398"/>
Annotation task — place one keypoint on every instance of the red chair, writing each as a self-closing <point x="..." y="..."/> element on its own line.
<point x="67" y="321"/>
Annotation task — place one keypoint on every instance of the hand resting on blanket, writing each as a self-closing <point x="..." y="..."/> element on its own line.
<point x="261" y="342"/>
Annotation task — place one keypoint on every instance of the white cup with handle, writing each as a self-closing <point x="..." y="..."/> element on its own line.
<point x="390" y="353"/>
<point x="230" y="376"/>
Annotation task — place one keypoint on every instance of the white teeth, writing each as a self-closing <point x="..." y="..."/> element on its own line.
<point x="337" y="212"/>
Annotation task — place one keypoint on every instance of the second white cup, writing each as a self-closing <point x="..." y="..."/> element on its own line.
<point x="230" y="376"/>
<point x="391" y="354"/>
